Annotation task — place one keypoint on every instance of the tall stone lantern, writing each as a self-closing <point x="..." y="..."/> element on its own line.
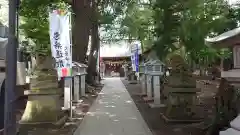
<point x="231" y="40"/>
<point x="156" y="73"/>
<point x="142" y="79"/>
<point x="81" y="73"/>
<point x="149" y="86"/>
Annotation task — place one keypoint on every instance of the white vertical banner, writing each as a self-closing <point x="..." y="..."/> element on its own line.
<point x="59" y="25"/>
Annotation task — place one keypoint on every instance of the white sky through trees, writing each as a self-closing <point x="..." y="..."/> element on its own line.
<point x="233" y="1"/>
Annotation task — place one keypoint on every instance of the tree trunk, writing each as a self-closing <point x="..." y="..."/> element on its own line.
<point x="43" y="97"/>
<point x="92" y="61"/>
<point x="81" y="29"/>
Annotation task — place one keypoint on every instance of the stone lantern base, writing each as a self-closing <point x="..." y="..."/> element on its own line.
<point x="41" y="109"/>
<point x="132" y="78"/>
<point x="181" y="105"/>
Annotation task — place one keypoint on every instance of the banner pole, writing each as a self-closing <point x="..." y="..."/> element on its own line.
<point x="71" y="99"/>
<point x="11" y="68"/>
<point x="61" y="48"/>
<point x="71" y="85"/>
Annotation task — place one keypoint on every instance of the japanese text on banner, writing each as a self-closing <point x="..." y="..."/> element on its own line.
<point x="60" y="42"/>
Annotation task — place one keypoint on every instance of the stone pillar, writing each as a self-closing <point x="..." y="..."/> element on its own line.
<point x="149" y="88"/>
<point x="83" y="85"/>
<point x="138" y="76"/>
<point x="143" y="84"/>
<point x="132" y="79"/>
<point x="156" y="91"/>
<point x="33" y="62"/>
<point x="126" y="75"/>
<point x="21" y="73"/>
<point x="76" y="87"/>
<point x="67" y="93"/>
<point x="29" y="65"/>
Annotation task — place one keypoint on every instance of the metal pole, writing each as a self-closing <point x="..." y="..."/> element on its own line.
<point x="19" y="50"/>
<point x="71" y="99"/>
<point x="99" y="58"/>
<point x="71" y="84"/>
<point x="11" y="67"/>
<point x="17" y="21"/>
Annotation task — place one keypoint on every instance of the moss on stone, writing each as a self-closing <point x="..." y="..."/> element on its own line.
<point x="43" y="104"/>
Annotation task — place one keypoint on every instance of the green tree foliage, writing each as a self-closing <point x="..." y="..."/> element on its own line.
<point x="137" y="23"/>
<point x="188" y="23"/>
<point x="170" y="25"/>
<point x="111" y="13"/>
<point x="35" y="23"/>
<point x="167" y="21"/>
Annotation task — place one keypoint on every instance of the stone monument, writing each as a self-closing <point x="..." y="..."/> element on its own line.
<point x="156" y="74"/>
<point x="149" y="85"/>
<point x="180" y="92"/>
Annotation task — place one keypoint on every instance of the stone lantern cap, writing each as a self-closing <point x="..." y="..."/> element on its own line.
<point x="154" y="67"/>
<point x="79" y="68"/>
<point x="148" y="66"/>
<point x="158" y="62"/>
<point x="158" y="67"/>
<point x="149" y="62"/>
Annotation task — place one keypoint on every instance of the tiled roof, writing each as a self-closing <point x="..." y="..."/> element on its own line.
<point x="117" y="49"/>
<point x="224" y="36"/>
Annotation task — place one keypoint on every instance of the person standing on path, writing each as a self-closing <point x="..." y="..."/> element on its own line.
<point x="125" y="68"/>
<point x="102" y="69"/>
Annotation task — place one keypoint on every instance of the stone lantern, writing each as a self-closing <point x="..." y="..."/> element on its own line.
<point x="80" y="80"/>
<point x="157" y="71"/>
<point x="180" y="93"/>
<point x="230" y="40"/>
<point x="142" y="76"/>
<point x="149" y="87"/>
<point x="76" y="82"/>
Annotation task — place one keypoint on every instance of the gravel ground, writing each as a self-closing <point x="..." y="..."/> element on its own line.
<point x="69" y="127"/>
<point x="159" y="127"/>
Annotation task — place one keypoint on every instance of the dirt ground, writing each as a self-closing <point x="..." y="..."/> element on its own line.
<point x="69" y="127"/>
<point x="159" y="127"/>
<point x="152" y="116"/>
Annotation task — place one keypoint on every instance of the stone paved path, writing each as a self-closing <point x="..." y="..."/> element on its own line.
<point x="113" y="113"/>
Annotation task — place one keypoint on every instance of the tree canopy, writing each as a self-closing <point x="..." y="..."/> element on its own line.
<point x="35" y="24"/>
<point x="176" y="24"/>
<point x="168" y="25"/>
